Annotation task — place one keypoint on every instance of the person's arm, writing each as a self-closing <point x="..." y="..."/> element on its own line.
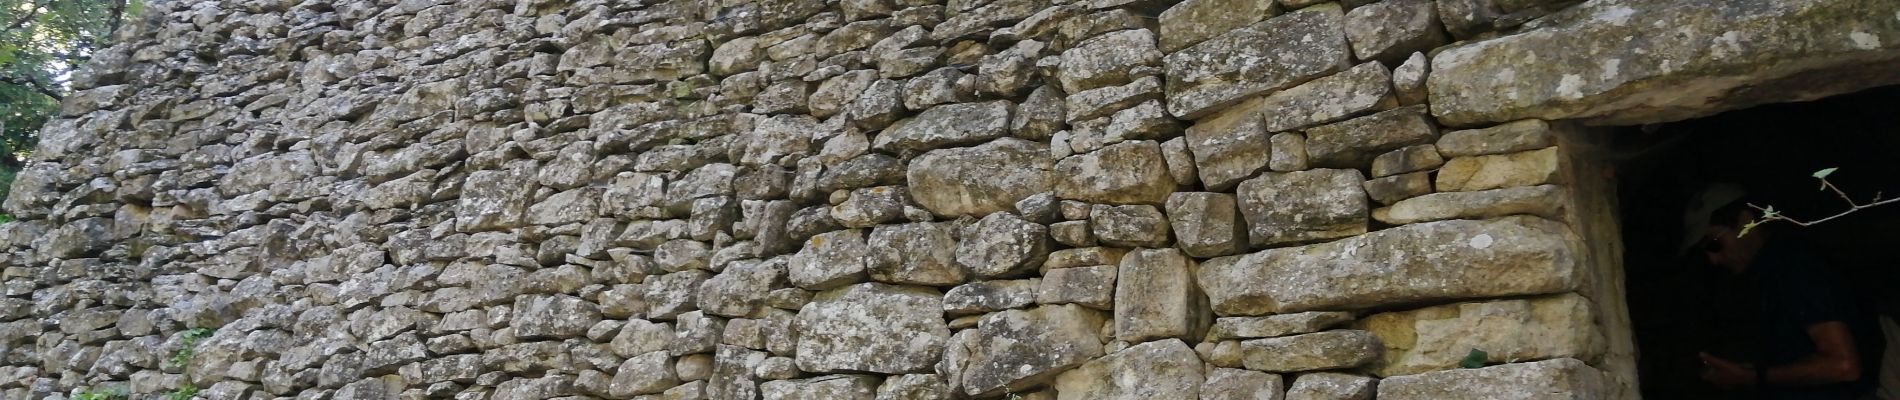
<point x="1833" y="361"/>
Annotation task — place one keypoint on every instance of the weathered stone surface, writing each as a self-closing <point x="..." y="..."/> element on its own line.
<point x="1240" y="384"/>
<point x="914" y="386"/>
<point x="1129" y="226"/>
<point x="1155" y="297"/>
<point x="1407" y="264"/>
<point x="872" y="327"/>
<point x="555" y="316"/>
<point x="1353" y="143"/>
<point x="1510" y="137"/>
<point x="1207" y="224"/>
<point x="1407" y="159"/>
<point x="922" y="253"/>
<point x="1536" y="167"/>
<point x="1361" y="89"/>
<point x="1277" y="325"/>
<point x="947" y="125"/>
<point x="1331" y="386"/>
<point x="1588" y="70"/>
<point x="1289" y="153"/>
<point x="1408" y="79"/>
<point x="1388" y="31"/>
<point x="1123" y="173"/>
<point x="1438" y="338"/>
<point x="1562" y="378"/>
<point x="1193" y="21"/>
<point x="1111" y="59"/>
<point x="1017" y="349"/>
<point x="1311" y="352"/>
<point x="1303" y="206"/>
<point x="1165" y="369"/>
<point x="988" y="296"/>
<point x="644" y="374"/>
<point x="830" y="260"/>
<point x="1393" y="189"/>
<point x="1106" y="101"/>
<point x="980" y="180"/>
<point x="1002" y="245"/>
<point x="740" y="290"/>
<point x="1093" y="287"/>
<point x="1546" y="201"/>
<point x="1277" y="53"/>
<point x="828" y="387"/>
<point x="1229" y="146"/>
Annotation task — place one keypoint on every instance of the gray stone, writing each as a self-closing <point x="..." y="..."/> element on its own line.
<point x="1439" y="338"/>
<point x="1166" y="369"/>
<point x="1124" y="173"/>
<point x="1361" y="89"/>
<point x="1408" y="79"/>
<point x="1129" y="226"/>
<point x="1558" y="379"/>
<point x="1407" y="159"/>
<point x="833" y="95"/>
<point x="869" y="207"/>
<point x="675" y="293"/>
<point x="1354" y="143"/>
<point x="1106" y="101"/>
<point x="1535" y="167"/>
<point x="1588" y="70"/>
<point x="1277" y="325"/>
<point x="1331" y="386"/>
<point x="1335" y="349"/>
<point x="644" y="374"/>
<point x="980" y="180"/>
<point x="1430" y="261"/>
<point x="837" y="334"/>
<point x="1018" y="349"/>
<point x="1002" y="245"/>
<point x="989" y="296"/>
<point x="922" y="253"/>
<point x="1180" y="162"/>
<point x="1388" y="31"/>
<point x="639" y="336"/>
<point x="1546" y="201"/>
<point x="1232" y="66"/>
<point x="828" y="387"/>
<point x="740" y="290"/>
<point x="1155" y="297"/>
<point x="1193" y="21"/>
<point x="1111" y="59"/>
<point x="1229" y="146"/>
<point x="1039" y="116"/>
<point x="553" y="316"/>
<point x="1093" y="287"/>
<point x="1305" y="206"/>
<point x="1289" y="153"/>
<point x="1392" y="189"/>
<point x="914" y="387"/>
<point x="831" y="260"/>
<point x="1240" y="384"/>
<point x="941" y="86"/>
<point x="1510" y="137"/>
<point x="1207" y="224"/>
<point x="947" y="125"/>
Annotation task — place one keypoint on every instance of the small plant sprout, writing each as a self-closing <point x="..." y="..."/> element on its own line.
<point x="1770" y="214"/>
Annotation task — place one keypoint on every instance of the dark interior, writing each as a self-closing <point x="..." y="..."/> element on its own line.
<point x="1681" y="305"/>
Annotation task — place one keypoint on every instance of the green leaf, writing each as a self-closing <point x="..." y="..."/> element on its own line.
<point x="1822" y="174"/>
<point x="1475" y="359"/>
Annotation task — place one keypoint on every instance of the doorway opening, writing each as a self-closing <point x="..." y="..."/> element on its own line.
<point x="1680" y="304"/>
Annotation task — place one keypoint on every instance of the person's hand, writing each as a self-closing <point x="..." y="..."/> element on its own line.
<point x="1726" y="374"/>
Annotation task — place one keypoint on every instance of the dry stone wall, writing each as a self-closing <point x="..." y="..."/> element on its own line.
<point x="861" y="199"/>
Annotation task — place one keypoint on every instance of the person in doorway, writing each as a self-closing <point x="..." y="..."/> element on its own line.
<point x="1804" y="345"/>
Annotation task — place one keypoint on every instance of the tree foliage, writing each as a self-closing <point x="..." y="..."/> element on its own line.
<point x="41" y="43"/>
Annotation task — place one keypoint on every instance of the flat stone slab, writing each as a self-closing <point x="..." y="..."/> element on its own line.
<point x="1438" y="338"/>
<point x="1166" y="369"/>
<point x="1432" y="261"/>
<point x="872" y="327"/>
<point x="980" y="180"/>
<point x="1720" y="55"/>
<point x="1559" y="379"/>
<point x="1266" y="56"/>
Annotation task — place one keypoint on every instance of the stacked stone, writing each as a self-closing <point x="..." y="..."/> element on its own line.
<point x="794" y="199"/>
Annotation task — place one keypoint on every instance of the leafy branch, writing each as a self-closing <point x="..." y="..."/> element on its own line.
<point x="1769" y="214"/>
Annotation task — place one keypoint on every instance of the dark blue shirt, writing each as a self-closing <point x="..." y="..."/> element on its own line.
<point x="1798" y="291"/>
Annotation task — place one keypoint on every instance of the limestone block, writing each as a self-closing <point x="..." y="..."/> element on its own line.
<point x="1407" y="159"/>
<point x="1002" y="245"/>
<point x="1229" y="146"/>
<point x="947" y="125"/>
<point x="1311" y="352"/>
<point x="863" y="171"/>
<point x="1559" y="379"/>
<point x="1429" y="261"/>
<point x="1510" y="137"/>
<point x="907" y="335"/>
<point x="1110" y="59"/>
<point x="1331" y="386"/>
<point x="1408" y="79"/>
<point x="1277" y="325"/>
<point x="1207" y="224"/>
<point x="988" y="296"/>
<point x="877" y="106"/>
<point x="1240" y="384"/>
<point x="1124" y="173"/>
<point x="1073" y="233"/>
<point x="1530" y="168"/>
<point x="553" y="316"/>
<point x="980" y="180"/>
<point x="833" y="95"/>
<point x="1129" y="226"/>
<point x="494" y="199"/>
<point x="1180" y="162"/>
<point x="1437" y="338"/>
<point x="783" y="97"/>
<point x="1304" y="206"/>
<point x="830" y="260"/>
<point x="1009" y="72"/>
<point x="1228" y="68"/>
<point x="1388" y="31"/>
<point x="1155" y="296"/>
<point x="732" y="374"/>
<point x="671" y="294"/>
<point x="1361" y="89"/>
<point x="644" y="374"/>
<point x="740" y="290"/>
<point x="1289" y="153"/>
<point x="1165" y="369"/>
<point x="1193" y="21"/>
<point x="1093" y="287"/>
<point x="1548" y="201"/>
<point x="1353" y="143"/>
<point x="914" y="386"/>
<point x="983" y="19"/>
<point x="921" y="253"/>
<point x="828" y="387"/>
<point x="1018" y="349"/>
<point x="1083" y="256"/>
<point x="1105" y="101"/>
<point x="1392" y="189"/>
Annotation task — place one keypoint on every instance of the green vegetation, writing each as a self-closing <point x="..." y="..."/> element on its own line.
<point x="102" y="394"/>
<point x="187" y="345"/>
<point x="185" y="392"/>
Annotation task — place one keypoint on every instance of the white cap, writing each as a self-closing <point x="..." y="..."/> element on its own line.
<point x="1695" y="216"/>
